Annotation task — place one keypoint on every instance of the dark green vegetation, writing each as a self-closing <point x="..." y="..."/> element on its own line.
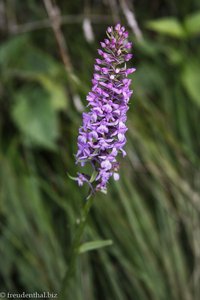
<point x="152" y="214"/>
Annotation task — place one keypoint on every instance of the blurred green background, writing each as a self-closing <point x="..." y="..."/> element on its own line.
<point x="47" y="52"/>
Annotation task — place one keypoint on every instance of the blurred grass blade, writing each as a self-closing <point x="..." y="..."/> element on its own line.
<point x="89" y="246"/>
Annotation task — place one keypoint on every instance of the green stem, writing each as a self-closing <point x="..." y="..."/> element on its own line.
<point x="75" y="247"/>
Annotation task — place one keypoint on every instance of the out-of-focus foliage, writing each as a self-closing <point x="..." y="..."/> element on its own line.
<point x="150" y="219"/>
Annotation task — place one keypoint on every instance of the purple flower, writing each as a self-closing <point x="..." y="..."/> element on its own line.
<point x="81" y="179"/>
<point x="102" y="135"/>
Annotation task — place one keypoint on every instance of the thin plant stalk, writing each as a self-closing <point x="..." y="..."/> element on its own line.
<point x="75" y="247"/>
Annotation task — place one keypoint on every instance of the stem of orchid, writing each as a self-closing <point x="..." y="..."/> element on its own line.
<point x="75" y="247"/>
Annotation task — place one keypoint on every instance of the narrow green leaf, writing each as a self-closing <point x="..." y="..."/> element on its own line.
<point x="93" y="177"/>
<point x="71" y="177"/>
<point x="94" y="245"/>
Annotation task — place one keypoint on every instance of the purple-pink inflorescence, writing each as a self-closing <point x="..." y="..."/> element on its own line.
<point x="102" y="135"/>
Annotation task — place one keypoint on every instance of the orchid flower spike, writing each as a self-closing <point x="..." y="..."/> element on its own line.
<point x="102" y="134"/>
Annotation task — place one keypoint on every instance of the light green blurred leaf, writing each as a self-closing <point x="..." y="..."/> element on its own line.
<point x="167" y="26"/>
<point x="191" y="80"/>
<point x="34" y="65"/>
<point x="56" y="91"/>
<point x="35" y="117"/>
<point x="11" y="49"/>
<point x="30" y="61"/>
<point x="150" y="47"/>
<point x="94" y="245"/>
<point x="175" y="56"/>
<point x="192" y="24"/>
<point x="153" y="81"/>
